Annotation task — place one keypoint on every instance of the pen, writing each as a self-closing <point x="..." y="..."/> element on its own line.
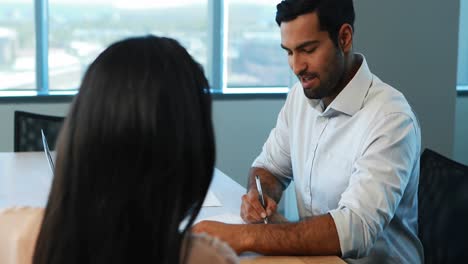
<point x="260" y="194"/>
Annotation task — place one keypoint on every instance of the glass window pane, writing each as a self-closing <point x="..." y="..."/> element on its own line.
<point x="463" y="46"/>
<point x="80" y="30"/>
<point x="17" y="45"/>
<point x="255" y="58"/>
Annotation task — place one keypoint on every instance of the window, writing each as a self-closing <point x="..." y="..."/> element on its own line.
<point x="17" y="45"/>
<point x="237" y="41"/>
<point x="462" y="74"/>
<point x="80" y="30"/>
<point x="254" y="56"/>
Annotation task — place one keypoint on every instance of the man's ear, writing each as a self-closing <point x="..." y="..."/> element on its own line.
<point x="345" y="38"/>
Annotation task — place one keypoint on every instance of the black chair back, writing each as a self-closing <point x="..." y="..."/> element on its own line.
<point x="443" y="209"/>
<point x="28" y="130"/>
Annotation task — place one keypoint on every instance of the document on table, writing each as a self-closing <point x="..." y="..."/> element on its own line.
<point x="211" y="200"/>
<point x="227" y="218"/>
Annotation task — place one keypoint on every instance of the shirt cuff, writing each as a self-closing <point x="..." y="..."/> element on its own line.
<point x="351" y="233"/>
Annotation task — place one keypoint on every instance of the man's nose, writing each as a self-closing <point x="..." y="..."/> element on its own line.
<point x="297" y="64"/>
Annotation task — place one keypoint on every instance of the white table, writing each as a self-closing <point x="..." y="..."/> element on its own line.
<point x="25" y="179"/>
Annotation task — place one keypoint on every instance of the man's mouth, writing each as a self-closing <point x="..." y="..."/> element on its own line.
<point x="308" y="80"/>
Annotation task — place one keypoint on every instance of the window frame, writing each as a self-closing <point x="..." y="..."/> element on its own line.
<point x="462" y="54"/>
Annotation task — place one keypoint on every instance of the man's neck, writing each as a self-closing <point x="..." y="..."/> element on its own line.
<point x="352" y="64"/>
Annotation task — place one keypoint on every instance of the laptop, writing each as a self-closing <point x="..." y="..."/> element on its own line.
<point x="47" y="152"/>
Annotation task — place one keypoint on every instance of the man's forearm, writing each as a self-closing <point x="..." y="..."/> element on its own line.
<point x="314" y="236"/>
<point x="270" y="184"/>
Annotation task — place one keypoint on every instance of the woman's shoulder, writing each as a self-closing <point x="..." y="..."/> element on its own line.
<point x="19" y="227"/>
<point x="207" y="249"/>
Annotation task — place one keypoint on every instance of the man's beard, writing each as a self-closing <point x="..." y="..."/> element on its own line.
<point x="328" y="86"/>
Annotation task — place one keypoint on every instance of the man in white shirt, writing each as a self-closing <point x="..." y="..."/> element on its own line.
<point x="350" y="142"/>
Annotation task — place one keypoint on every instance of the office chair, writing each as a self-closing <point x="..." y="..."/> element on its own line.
<point x="443" y="209"/>
<point x="28" y="130"/>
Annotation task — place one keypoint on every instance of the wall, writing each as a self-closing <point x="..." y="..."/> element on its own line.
<point x="412" y="45"/>
<point x="241" y="128"/>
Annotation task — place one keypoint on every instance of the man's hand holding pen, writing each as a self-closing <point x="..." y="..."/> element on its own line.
<point x="260" y="197"/>
<point x="252" y="210"/>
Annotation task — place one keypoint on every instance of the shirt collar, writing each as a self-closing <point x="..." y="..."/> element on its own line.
<point x="351" y="98"/>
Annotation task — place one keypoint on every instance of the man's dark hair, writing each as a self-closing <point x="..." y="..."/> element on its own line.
<point x="332" y="14"/>
<point x="135" y="159"/>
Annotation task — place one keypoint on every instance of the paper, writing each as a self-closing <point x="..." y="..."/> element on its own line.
<point x="211" y="200"/>
<point x="227" y="218"/>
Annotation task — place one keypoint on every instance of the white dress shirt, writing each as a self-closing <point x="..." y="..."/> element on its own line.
<point x="357" y="160"/>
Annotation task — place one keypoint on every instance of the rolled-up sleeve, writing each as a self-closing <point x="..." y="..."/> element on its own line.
<point x="378" y="181"/>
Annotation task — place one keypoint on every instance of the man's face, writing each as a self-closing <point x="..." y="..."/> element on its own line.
<point x="313" y="57"/>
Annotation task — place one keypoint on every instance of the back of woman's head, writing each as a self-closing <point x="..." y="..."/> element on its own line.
<point x="135" y="157"/>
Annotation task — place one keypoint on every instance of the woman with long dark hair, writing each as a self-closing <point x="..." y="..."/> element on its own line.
<point x="134" y="161"/>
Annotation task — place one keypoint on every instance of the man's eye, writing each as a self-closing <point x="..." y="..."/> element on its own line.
<point x="309" y="50"/>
